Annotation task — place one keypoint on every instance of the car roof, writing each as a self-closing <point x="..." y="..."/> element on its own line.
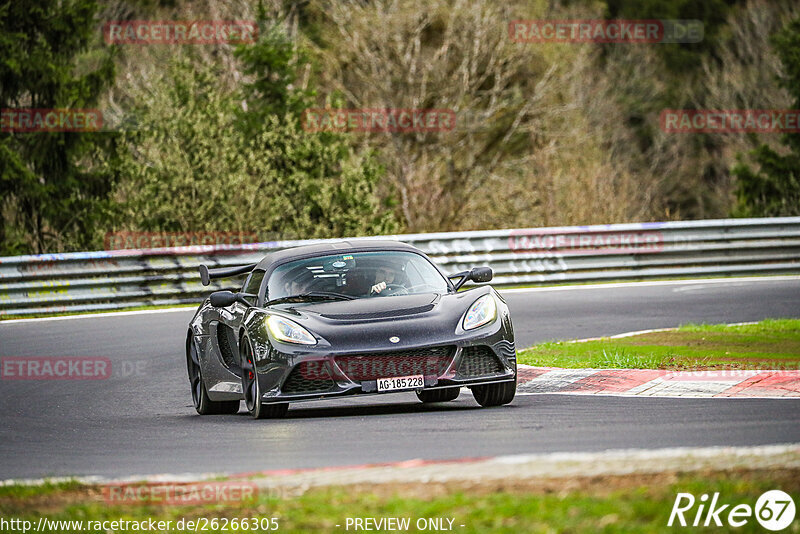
<point x="334" y="247"/>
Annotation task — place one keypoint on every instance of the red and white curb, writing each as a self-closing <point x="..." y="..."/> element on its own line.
<point x="659" y="382"/>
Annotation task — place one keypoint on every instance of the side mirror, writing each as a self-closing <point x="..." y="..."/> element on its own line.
<point x="476" y="274"/>
<point x="223" y="299"/>
<point x="481" y="274"/>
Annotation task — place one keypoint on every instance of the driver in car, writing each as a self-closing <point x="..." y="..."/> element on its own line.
<point x="292" y="287"/>
<point x="384" y="276"/>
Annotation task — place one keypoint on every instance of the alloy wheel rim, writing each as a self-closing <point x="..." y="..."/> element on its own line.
<point x="249" y="383"/>
<point x="195" y="378"/>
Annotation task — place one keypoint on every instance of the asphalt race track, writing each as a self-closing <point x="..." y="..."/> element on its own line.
<point x="140" y="420"/>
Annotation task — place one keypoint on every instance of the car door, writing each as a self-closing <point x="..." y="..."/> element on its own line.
<point x="230" y="319"/>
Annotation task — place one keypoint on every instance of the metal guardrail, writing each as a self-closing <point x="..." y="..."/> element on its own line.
<point x="116" y="279"/>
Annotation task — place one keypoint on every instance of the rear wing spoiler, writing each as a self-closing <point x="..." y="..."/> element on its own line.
<point x="206" y="274"/>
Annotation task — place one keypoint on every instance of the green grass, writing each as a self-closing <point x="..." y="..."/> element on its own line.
<point x="769" y="344"/>
<point x="22" y="491"/>
<point x="613" y="505"/>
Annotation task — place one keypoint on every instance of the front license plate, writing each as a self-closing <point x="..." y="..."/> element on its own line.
<point x="401" y="382"/>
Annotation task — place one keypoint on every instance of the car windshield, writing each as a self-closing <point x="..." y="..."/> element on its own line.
<point x="357" y="275"/>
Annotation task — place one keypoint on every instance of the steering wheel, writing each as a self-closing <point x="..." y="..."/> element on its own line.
<point x="394" y="289"/>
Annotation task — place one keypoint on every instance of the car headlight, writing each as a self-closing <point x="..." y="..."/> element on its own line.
<point x="289" y="331"/>
<point x="483" y="311"/>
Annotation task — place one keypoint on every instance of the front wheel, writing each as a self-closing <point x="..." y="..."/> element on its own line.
<point x="252" y="389"/>
<point x="202" y="403"/>
<point x="438" y="395"/>
<point x="495" y="394"/>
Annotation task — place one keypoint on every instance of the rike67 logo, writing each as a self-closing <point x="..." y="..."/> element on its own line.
<point x="774" y="510"/>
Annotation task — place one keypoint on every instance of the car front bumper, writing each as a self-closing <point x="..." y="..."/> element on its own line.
<point x="483" y="360"/>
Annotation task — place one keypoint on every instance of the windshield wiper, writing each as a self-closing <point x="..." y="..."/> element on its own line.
<point x="311" y="296"/>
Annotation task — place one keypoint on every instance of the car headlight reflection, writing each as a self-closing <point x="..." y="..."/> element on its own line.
<point x="289" y="331"/>
<point x="483" y="311"/>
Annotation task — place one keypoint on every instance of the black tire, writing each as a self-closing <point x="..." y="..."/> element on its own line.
<point x="438" y="395"/>
<point x="271" y="411"/>
<point x="495" y="394"/>
<point x="202" y="403"/>
<point x="251" y="389"/>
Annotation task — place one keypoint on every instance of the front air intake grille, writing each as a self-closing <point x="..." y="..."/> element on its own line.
<point x="308" y="377"/>
<point x="431" y="361"/>
<point x="479" y="360"/>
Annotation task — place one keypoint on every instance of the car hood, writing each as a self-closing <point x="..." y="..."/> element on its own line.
<point x="369" y="323"/>
<point x="366" y="309"/>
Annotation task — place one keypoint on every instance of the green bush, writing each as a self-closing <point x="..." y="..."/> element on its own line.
<point x="51" y="194"/>
<point x="194" y="164"/>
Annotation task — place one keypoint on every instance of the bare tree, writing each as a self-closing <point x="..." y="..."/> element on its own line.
<point x="532" y="129"/>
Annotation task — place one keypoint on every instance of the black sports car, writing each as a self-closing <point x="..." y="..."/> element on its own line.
<point x="348" y="318"/>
